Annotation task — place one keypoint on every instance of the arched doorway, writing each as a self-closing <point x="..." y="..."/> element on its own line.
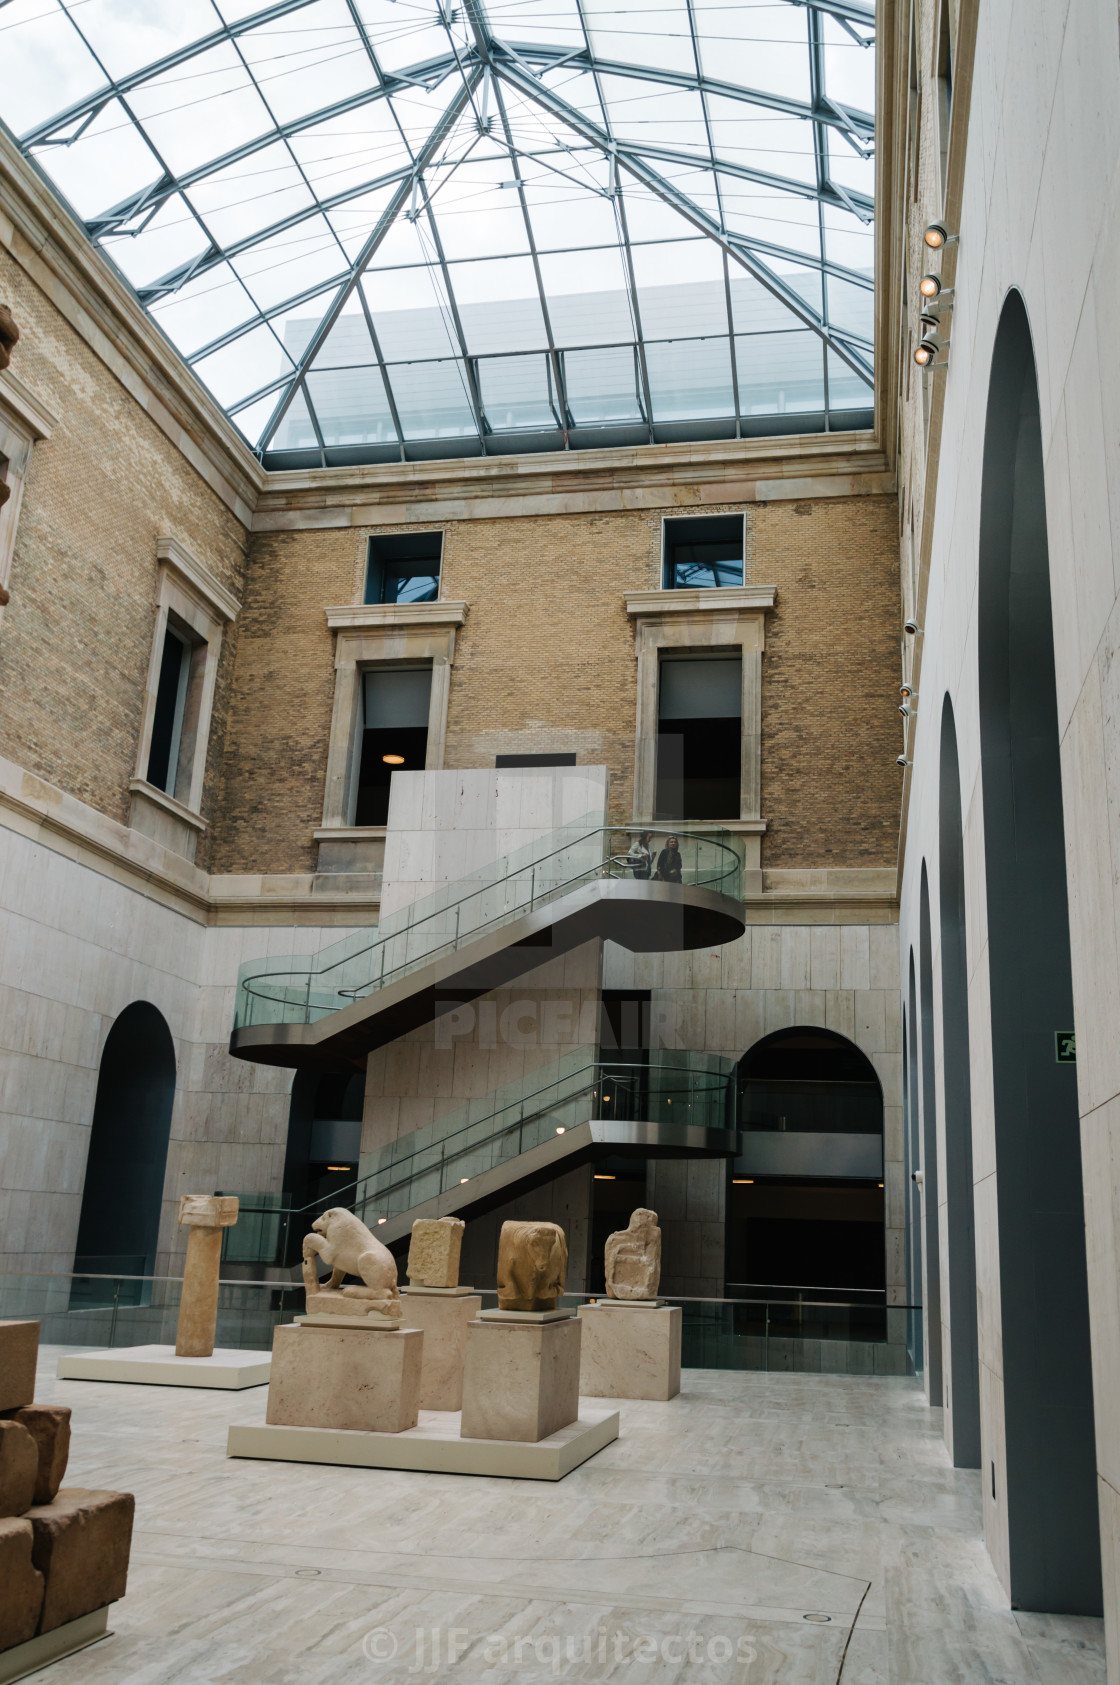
<point x="324" y="1133"/>
<point x="912" y="1121"/>
<point x="1048" y="1481"/>
<point x="962" y="1393"/>
<point x="929" y="1203"/>
<point x="805" y="1203"/>
<point x="123" y="1189"/>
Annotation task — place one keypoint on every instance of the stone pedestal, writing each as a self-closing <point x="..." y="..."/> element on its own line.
<point x="444" y="1314"/>
<point x="159" y="1366"/>
<point x="520" y="1378"/>
<point x="347" y="1377"/>
<point x="630" y="1350"/>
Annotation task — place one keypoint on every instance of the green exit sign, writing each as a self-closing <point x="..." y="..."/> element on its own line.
<point x="1065" y="1047"/>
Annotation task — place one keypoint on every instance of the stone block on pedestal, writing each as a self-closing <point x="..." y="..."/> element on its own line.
<point x="21" y="1584"/>
<point x="19" y="1468"/>
<point x="49" y="1427"/>
<point x="630" y="1350"/>
<point x="363" y="1378"/>
<point x="19" y="1355"/>
<point x="433" y="1251"/>
<point x="444" y="1314"/>
<point x="520" y="1378"/>
<point x="81" y="1546"/>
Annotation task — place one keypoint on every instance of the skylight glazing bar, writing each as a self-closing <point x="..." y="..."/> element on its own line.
<point x="390" y="395"/>
<point x="385" y="222"/>
<point x="118" y="86"/>
<point x="693" y="213"/>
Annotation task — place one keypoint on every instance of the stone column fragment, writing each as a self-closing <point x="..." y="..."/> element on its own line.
<point x="206" y="1215"/>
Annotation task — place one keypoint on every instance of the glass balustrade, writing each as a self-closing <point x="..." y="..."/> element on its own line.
<point x="302" y="988"/>
<point x="807" y="1336"/>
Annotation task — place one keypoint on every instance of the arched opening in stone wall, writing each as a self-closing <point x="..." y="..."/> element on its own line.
<point x="931" y="1216"/>
<point x="324" y="1134"/>
<point x="805" y="1202"/>
<point x="962" y="1377"/>
<point x="123" y="1188"/>
<point x="912" y="1125"/>
<point x="1044" y="1471"/>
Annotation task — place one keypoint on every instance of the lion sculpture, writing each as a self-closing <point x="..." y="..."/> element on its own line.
<point x="343" y="1242"/>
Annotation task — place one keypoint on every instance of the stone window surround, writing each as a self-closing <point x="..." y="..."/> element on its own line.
<point x="383" y="634"/>
<point x="24" y="422"/>
<point x="730" y="616"/>
<point x="201" y="607"/>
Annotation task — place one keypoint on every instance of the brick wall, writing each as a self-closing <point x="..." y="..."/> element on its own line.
<point x="546" y="661"/>
<point x="76" y="637"/>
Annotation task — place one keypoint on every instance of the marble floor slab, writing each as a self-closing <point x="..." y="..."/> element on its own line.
<point x="756" y="1529"/>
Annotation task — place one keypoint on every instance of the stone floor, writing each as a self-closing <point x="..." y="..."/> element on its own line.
<point x="759" y="1528"/>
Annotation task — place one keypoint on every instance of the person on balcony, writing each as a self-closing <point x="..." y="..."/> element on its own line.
<point x="669" y="863"/>
<point x="640" y="857"/>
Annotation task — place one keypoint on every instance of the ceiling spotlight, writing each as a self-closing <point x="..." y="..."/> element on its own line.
<point x="560" y="1129"/>
<point x="937" y="235"/>
<point x="902" y="761"/>
<point x="393" y="760"/>
<point x="912" y="627"/>
<point x="930" y="287"/>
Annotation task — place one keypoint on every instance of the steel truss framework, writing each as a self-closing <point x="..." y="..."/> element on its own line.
<point x="305" y="342"/>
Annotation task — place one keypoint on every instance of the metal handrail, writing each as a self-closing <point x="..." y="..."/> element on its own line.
<point x="608" y="865"/>
<point x="436" y="1158"/>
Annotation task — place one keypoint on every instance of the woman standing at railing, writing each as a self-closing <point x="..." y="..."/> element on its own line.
<point x="669" y="863"/>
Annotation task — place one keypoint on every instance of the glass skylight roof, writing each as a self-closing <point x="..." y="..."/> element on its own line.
<point x="382" y="230"/>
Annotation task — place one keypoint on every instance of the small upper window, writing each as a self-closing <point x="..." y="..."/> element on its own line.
<point x="404" y="568"/>
<point x="703" y="552"/>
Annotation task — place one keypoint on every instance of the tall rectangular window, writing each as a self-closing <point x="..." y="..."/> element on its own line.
<point x="394" y="735"/>
<point x="699" y="737"/>
<point x="404" y="568"/>
<point x="170" y="712"/>
<point x="703" y="552"/>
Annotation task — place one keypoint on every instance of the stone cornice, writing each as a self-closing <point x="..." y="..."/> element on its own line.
<point x="726" y="599"/>
<point x="197" y="579"/>
<point x="799" y="466"/>
<point x="367" y="617"/>
<point x="26" y="407"/>
<point x="45" y="240"/>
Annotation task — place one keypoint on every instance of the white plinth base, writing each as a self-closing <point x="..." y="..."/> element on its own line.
<point x="23" y="1659"/>
<point x="636" y="1356"/>
<point x="158" y="1366"/>
<point x="434" y="1446"/>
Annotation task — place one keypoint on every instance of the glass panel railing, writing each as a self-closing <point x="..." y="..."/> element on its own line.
<point x="302" y="988"/>
<point x="678" y="1087"/>
<point x="811" y="1336"/>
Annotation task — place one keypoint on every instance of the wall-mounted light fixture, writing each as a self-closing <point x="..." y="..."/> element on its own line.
<point x="905" y="709"/>
<point x="907" y="692"/>
<point x="912" y="627"/>
<point x="937" y="236"/>
<point x="930" y="287"/>
<point x="925" y="355"/>
<point x="902" y="761"/>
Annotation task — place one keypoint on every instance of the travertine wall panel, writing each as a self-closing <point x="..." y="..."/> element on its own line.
<point x="76" y="637"/>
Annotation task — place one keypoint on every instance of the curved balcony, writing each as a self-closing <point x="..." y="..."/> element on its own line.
<point x="476" y="935"/>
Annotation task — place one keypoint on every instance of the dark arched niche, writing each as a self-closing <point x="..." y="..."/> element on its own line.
<point x="963" y="1392"/>
<point x="123" y="1188"/>
<point x="810" y="1212"/>
<point x="929" y="1201"/>
<point x="1048" y="1482"/>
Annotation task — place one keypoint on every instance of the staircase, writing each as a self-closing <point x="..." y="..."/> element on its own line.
<point x="482" y="1155"/>
<point x="335" y="1007"/>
